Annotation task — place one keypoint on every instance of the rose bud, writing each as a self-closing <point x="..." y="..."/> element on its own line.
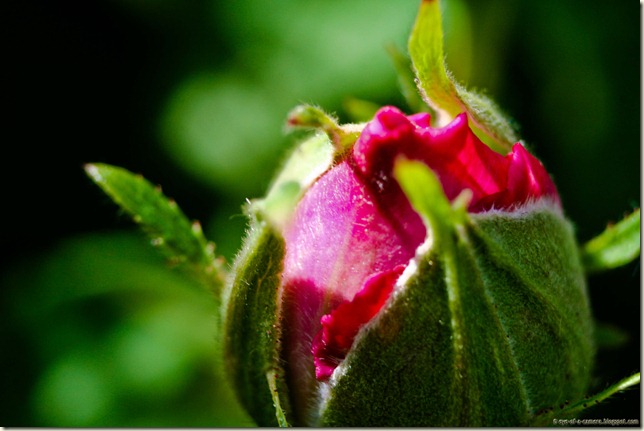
<point x="417" y="278"/>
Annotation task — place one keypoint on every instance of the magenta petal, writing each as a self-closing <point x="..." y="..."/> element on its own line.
<point x="422" y="119"/>
<point x="457" y="156"/>
<point x="453" y="152"/>
<point x="340" y="327"/>
<point x="527" y="178"/>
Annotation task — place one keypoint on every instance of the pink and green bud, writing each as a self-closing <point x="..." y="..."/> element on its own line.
<point x="354" y="227"/>
<point x="420" y="279"/>
<point x="403" y="273"/>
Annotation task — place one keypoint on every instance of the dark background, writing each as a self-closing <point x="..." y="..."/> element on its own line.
<point x="96" y="331"/>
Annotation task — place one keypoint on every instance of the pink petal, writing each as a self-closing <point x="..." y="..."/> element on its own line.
<point x="527" y="178"/>
<point x="340" y="327"/>
<point x="346" y="228"/>
<point x="454" y="153"/>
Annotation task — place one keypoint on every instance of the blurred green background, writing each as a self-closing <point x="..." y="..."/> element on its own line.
<point x="96" y="329"/>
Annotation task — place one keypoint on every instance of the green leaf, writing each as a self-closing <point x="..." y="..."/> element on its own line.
<point x="616" y="246"/>
<point x="181" y="241"/>
<point x="442" y="93"/>
<point x="566" y="410"/>
<point x="252" y="336"/>
<point x="488" y="326"/>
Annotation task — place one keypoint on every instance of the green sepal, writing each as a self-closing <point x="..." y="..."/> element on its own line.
<point x="180" y="240"/>
<point x="312" y="117"/>
<point x="488" y="326"/>
<point x="618" y="245"/>
<point x="442" y="93"/>
<point x="252" y="339"/>
<point x="310" y="159"/>
<point x="537" y="281"/>
<point x="251" y="331"/>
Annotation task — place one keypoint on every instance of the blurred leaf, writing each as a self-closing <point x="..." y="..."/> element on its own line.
<point x="181" y="241"/>
<point x="78" y="381"/>
<point x="124" y="341"/>
<point x="609" y="336"/>
<point x="406" y="80"/>
<point x="225" y="129"/>
<point x="358" y="110"/>
<point x="618" y="245"/>
<point x="222" y="124"/>
<point x="442" y="93"/>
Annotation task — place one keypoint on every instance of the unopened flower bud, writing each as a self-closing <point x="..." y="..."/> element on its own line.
<point x="419" y="278"/>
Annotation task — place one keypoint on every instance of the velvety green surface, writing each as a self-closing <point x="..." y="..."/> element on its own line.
<point x="251" y="331"/>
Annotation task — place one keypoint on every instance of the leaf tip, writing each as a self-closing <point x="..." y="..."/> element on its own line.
<point x="93" y="172"/>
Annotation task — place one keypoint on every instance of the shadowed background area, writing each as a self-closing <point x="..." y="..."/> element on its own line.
<point x="96" y="329"/>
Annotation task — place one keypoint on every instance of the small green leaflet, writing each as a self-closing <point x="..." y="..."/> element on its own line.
<point x="618" y="245"/>
<point x="312" y="117"/>
<point x="181" y="241"/>
<point x="575" y="409"/>
<point x="442" y="93"/>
